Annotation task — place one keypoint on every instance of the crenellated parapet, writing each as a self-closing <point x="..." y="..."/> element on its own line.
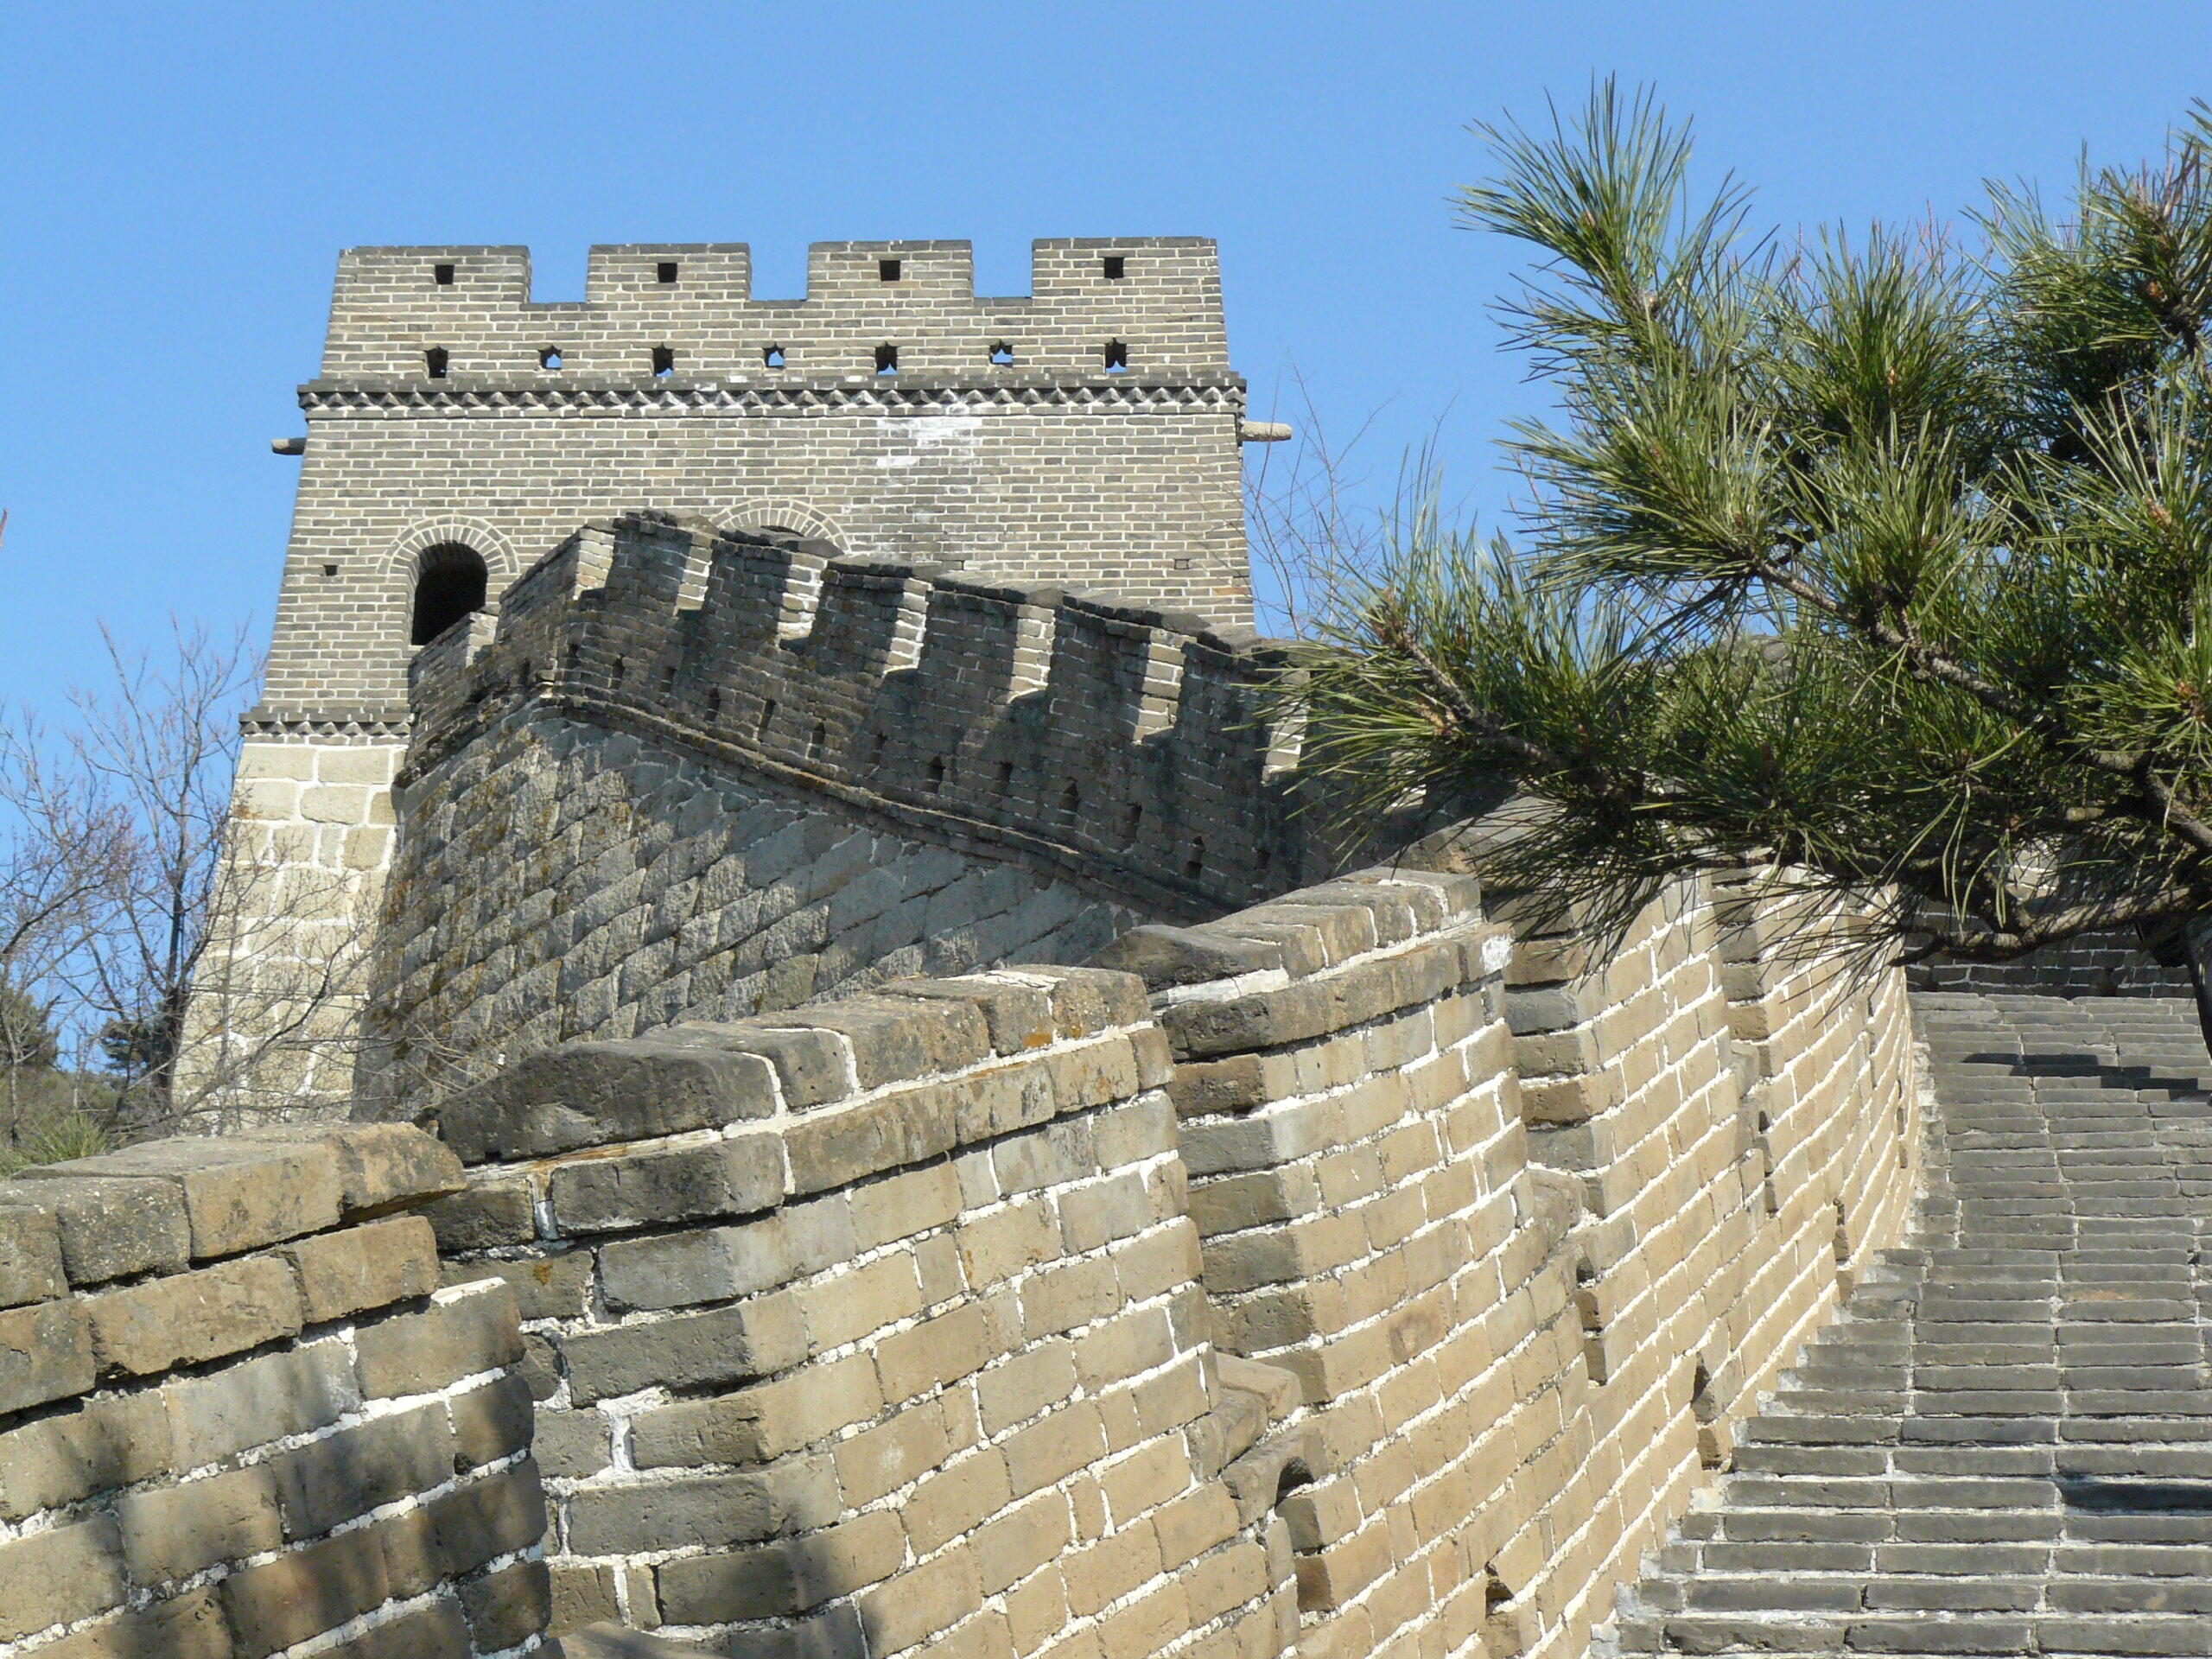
<point x="1128" y="747"/>
<point x="1143" y="308"/>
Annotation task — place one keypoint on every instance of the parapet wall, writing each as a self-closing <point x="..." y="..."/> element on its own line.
<point x="748" y="774"/>
<point x="876" y="1328"/>
<point x="239" y="1418"/>
<point x="1131" y="743"/>
<point x="1343" y="1276"/>
<point x="1158" y="297"/>
<point x="1434" y="1267"/>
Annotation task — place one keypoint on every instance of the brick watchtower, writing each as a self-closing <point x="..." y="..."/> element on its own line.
<point x="1085" y="434"/>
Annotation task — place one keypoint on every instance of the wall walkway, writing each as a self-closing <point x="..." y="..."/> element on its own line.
<point x="2002" y="1449"/>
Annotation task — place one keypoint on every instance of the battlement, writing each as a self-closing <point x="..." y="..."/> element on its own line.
<point x="1131" y="744"/>
<point x="1139" y="308"/>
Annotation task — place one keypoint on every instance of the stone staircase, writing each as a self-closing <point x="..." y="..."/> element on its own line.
<point x="2005" y="1445"/>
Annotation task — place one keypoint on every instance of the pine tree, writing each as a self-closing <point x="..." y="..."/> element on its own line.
<point x="1881" y="559"/>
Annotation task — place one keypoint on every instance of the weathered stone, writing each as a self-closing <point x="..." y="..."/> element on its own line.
<point x="1166" y="956"/>
<point x="238" y="1195"/>
<point x="546" y="1287"/>
<point x="726" y="1178"/>
<point x="45" y="1353"/>
<point x="111" y="1228"/>
<point x="363" y="1267"/>
<point x="570" y="1445"/>
<point x="850" y="1142"/>
<point x="488" y="1214"/>
<point x="142" y="1330"/>
<point x="590" y="1094"/>
<point x="284" y="1602"/>
<point x="713" y="1511"/>
<point x="289" y="1392"/>
<point x="59" y="1575"/>
<point x="1353" y="995"/>
<point x="470" y="1330"/>
<point x="387" y="1167"/>
<point x="712" y="1265"/>
<point x="189" y="1626"/>
<point x="176" y="1531"/>
<point x="103" y="1444"/>
<point x="491" y="1517"/>
<point x="508" y="1606"/>
<point x="895" y="1039"/>
<point x="609" y="1640"/>
<point x="810" y="1066"/>
<point x="438" y="1630"/>
<point x="582" y="1595"/>
<point x="491" y="1422"/>
<point x="31" y="1256"/>
<point x="1018" y="1016"/>
<point x="729" y="1344"/>
<point x="330" y="1480"/>
<point x="784" y="1579"/>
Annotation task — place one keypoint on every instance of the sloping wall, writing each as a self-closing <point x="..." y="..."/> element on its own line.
<point x="1505" y="1237"/>
<point x="1346" y="1276"/>
<point x="694" y="775"/>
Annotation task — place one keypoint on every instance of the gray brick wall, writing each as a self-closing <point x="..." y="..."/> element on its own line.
<point x="1053" y="466"/>
<point x="565" y="880"/>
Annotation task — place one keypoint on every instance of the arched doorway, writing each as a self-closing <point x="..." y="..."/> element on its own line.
<point x="450" y="580"/>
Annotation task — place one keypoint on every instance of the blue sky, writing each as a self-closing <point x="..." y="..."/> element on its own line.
<point x="177" y="182"/>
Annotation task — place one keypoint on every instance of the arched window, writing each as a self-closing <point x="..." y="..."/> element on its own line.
<point x="449" y="582"/>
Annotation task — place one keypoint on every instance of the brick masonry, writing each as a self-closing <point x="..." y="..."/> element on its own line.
<point x="1087" y="433"/>
<point x="2000" y="1450"/>
<point x="1052" y="467"/>
<point x="1507" y="1239"/>
<point x="877" y="1327"/>
<point x="240" y="1417"/>
<point x="1343" y="1275"/>
<point x="697" y="775"/>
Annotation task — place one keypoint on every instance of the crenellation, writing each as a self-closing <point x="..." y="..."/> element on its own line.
<point x="389" y="310"/>
<point x="912" y="693"/>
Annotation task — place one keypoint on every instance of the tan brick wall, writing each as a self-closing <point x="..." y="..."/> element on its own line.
<point x="272" y="1029"/>
<point x="924" y="1363"/>
<point x="1533" y="1234"/>
<point x="1346" y="1274"/>
<point x="238" y="1417"/>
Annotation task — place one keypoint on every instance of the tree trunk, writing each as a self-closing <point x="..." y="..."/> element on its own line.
<point x="2196" y="955"/>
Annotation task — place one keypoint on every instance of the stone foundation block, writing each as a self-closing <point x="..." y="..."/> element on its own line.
<point x="30" y="1257"/>
<point x="592" y="1093"/>
<point x="472" y="1329"/>
<point x="370" y="1266"/>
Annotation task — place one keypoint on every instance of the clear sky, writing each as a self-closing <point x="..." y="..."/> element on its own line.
<point x="177" y="180"/>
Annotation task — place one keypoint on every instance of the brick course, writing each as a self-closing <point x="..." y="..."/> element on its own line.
<point x="226" y="1461"/>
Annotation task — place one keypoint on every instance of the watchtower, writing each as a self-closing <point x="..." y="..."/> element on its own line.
<point x="1085" y="434"/>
